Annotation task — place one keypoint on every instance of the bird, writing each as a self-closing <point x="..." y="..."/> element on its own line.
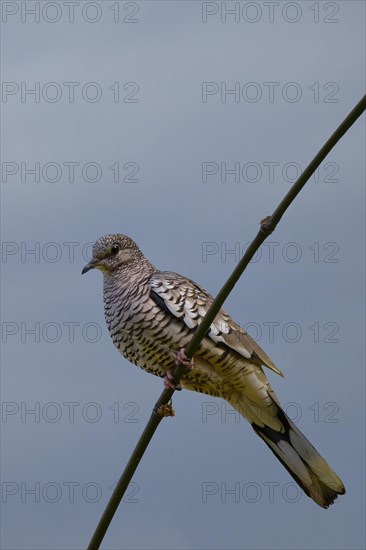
<point x="152" y="315"/>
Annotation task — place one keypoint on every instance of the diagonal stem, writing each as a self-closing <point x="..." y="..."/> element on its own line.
<point x="267" y="227"/>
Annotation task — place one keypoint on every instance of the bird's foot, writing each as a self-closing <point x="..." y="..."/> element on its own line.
<point x="169" y="381"/>
<point x="182" y="360"/>
<point x="166" y="410"/>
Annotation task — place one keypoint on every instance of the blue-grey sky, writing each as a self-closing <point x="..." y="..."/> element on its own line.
<point x="181" y="124"/>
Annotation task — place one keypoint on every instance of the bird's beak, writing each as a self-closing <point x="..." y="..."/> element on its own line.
<point x="91" y="265"/>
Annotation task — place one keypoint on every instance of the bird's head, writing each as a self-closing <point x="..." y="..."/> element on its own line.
<point x="111" y="252"/>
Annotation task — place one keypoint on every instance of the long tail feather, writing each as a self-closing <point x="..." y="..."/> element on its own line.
<point x="302" y="461"/>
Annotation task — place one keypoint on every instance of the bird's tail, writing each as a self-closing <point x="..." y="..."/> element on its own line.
<point x="302" y="461"/>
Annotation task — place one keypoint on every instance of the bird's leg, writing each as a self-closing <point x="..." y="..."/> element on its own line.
<point x="181" y="360"/>
<point x="169" y="382"/>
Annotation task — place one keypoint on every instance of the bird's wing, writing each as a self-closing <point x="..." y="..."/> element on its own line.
<point x="189" y="302"/>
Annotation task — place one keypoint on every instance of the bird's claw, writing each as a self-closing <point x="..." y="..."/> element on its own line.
<point x="182" y="360"/>
<point x="169" y="381"/>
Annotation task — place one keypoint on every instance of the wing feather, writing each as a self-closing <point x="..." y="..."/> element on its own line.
<point x="189" y="302"/>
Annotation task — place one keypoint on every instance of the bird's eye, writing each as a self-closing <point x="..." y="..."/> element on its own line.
<point x="115" y="250"/>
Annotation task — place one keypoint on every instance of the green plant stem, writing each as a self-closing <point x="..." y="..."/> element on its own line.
<point x="267" y="227"/>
